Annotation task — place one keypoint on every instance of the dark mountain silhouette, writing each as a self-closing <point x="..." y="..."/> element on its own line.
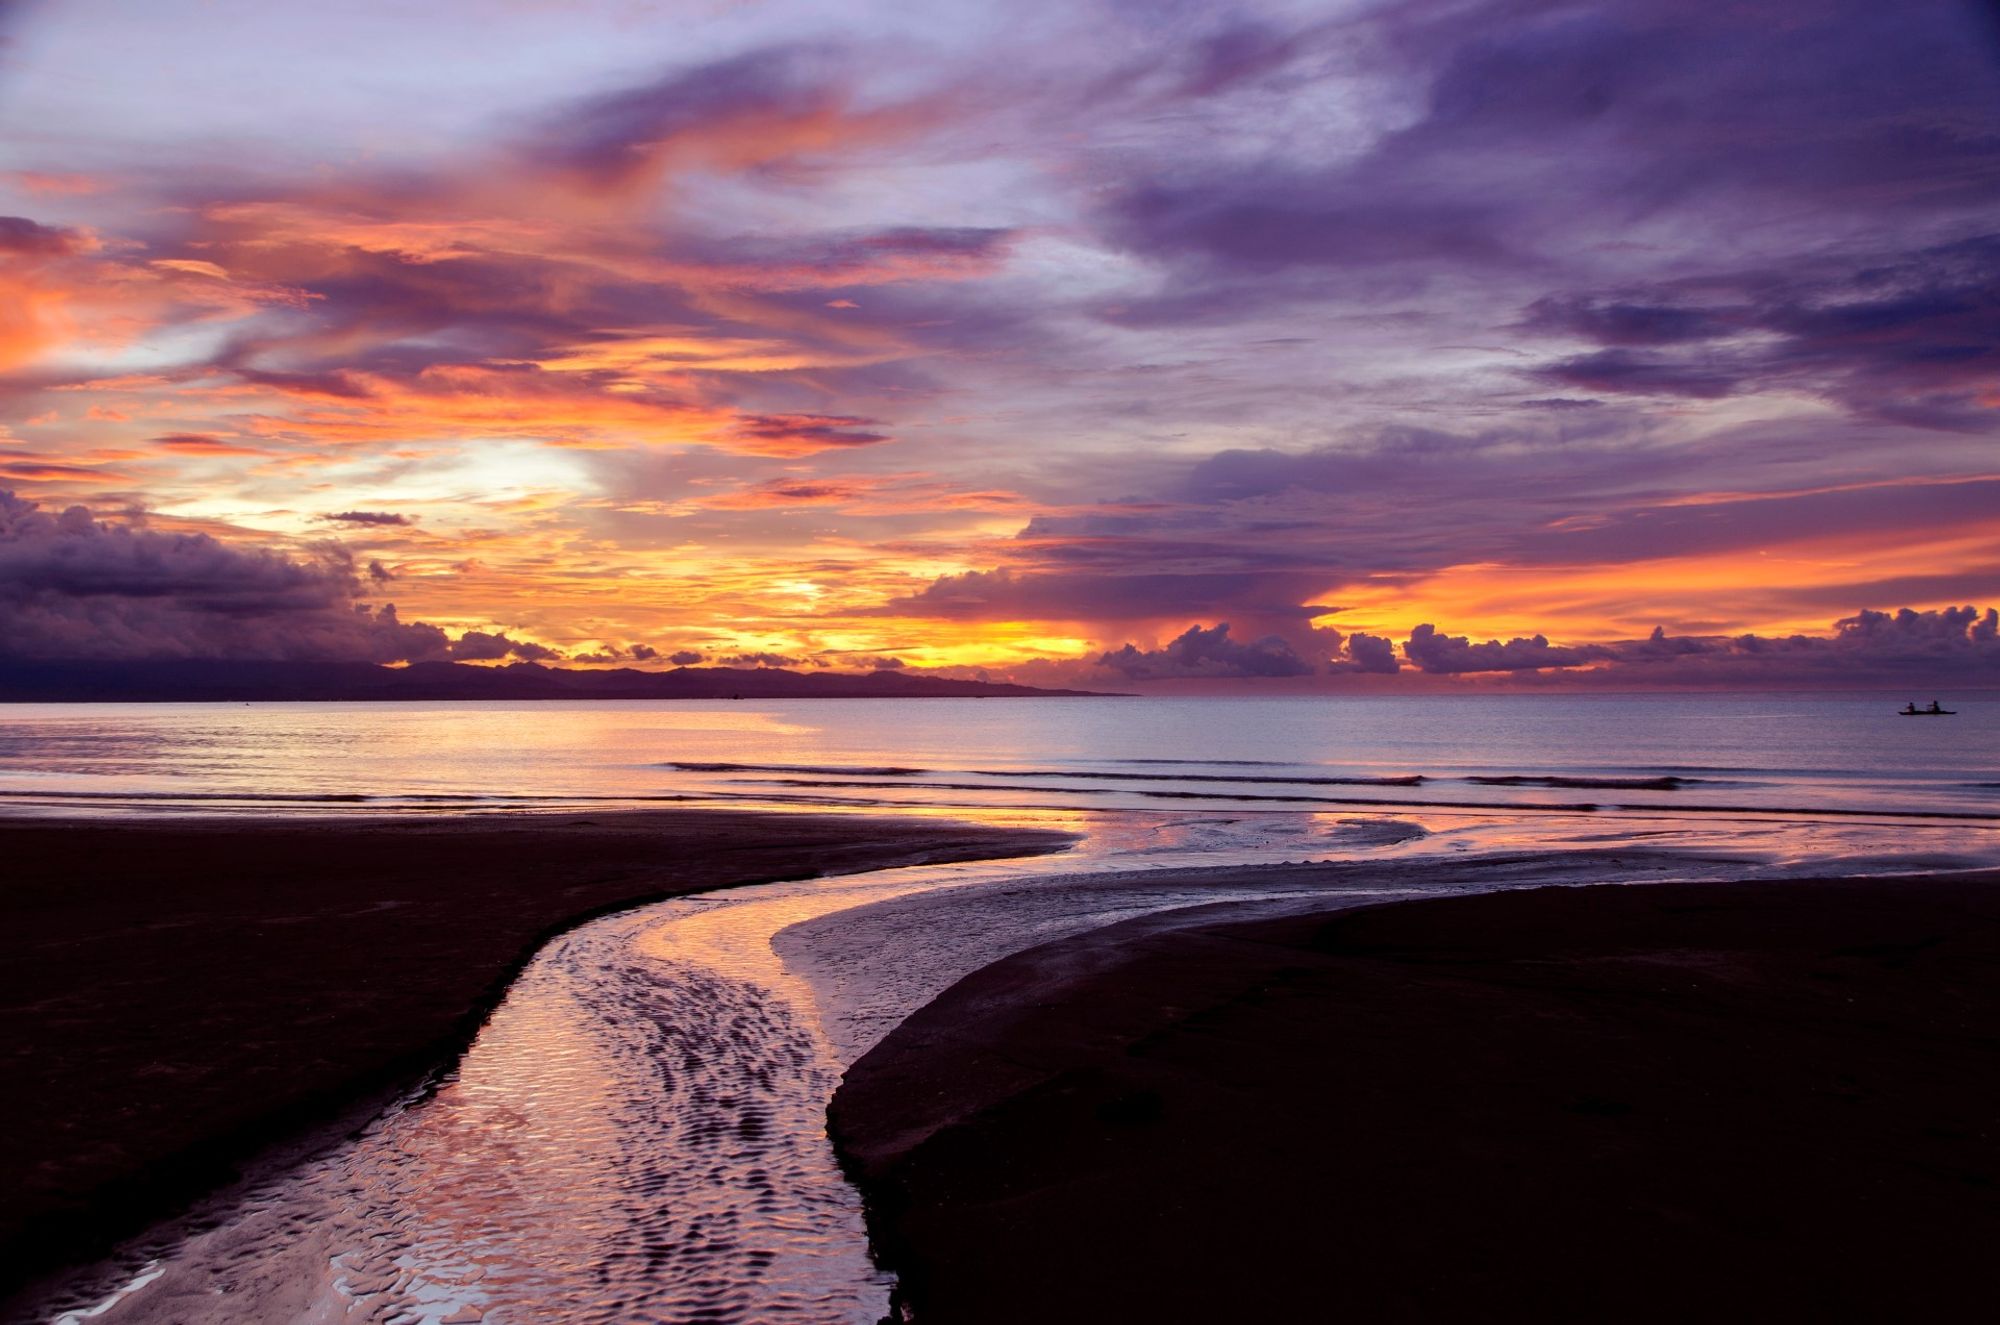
<point x="224" y="679"/>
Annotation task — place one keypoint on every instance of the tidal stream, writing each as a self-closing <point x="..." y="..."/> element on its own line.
<point x="638" y="1132"/>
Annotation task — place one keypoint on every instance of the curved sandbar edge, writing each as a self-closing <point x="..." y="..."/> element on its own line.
<point x="179" y="995"/>
<point x="1659" y="1102"/>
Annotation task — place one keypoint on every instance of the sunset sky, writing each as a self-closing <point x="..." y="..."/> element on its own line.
<point x="1643" y="339"/>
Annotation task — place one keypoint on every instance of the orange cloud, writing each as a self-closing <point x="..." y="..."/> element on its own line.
<point x="1785" y="589"/>
<point x="34" y="316"/>
<point x="50" y="184"/>
<point x="202" y="444"/>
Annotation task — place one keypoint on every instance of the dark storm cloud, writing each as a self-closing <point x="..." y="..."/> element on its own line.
<point x="75" y="587"/>
<point x="686" y="657"/>
<point x="72" y="555"/>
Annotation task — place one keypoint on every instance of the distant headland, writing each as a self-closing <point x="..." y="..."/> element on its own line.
<point x="191" y="680"/>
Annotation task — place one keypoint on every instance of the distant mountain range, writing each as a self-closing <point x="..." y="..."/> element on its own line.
<point x="222" y="680"/>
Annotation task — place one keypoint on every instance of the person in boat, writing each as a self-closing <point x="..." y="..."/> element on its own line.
<point x="1911" y="707"/>
<point x="1935" y="708"/>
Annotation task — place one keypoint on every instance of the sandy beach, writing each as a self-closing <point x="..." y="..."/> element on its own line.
<point x="1768" y="1100"/>
<point x="180" y="994"/>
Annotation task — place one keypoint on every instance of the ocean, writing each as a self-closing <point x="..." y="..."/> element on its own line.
<point x="656" y="1081"/>
<point x="1839" y="774"/>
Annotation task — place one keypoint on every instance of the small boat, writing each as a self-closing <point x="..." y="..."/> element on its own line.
<point x="1912" y="711"/>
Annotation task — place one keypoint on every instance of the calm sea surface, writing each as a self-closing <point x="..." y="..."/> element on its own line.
<point x="1708" y="753"/>
<point x="637" y="1134"/>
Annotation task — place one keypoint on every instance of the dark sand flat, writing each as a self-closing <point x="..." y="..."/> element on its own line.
<point x="1753" y="1101"/>
<point x="177" y="994"/>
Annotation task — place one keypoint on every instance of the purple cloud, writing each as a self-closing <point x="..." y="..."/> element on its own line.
<point x="612" y="136"/>
<point x="26" y="238"/>
<point x="1433" y="652"/>
<point x="1370" y="653"/>
<point x="1206" y="653"/>
<point x="379" y="518"/>
<point x="1109" y="582"/>
<point x="761" y="659"/>
<point x="480" y="646"/>
<point x="1909" y="336"/>
<point x="1943" y="646"/>
<point x="75" y="587"/>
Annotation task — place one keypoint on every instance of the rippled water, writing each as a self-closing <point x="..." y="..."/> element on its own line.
<point x="1718" y="754"/>
<point x="638" y="1132"/>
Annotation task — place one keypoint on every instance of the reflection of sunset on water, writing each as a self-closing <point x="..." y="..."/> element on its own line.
<point x="1692" y="767"/>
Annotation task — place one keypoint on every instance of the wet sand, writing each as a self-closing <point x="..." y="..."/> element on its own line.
<point x="178" y="995"/>
<point x="1770" y="1100"/>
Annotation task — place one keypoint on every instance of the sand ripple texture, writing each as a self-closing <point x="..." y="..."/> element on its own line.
<point x="638" y="1133"/>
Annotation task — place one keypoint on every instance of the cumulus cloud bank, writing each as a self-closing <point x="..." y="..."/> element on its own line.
<point x="1210" y="653"/>
<point x="76" y="587"/>
<point x="1953" y="645"/>
<point x="1957" y="646"/>
<point x="1455" y="653"/>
